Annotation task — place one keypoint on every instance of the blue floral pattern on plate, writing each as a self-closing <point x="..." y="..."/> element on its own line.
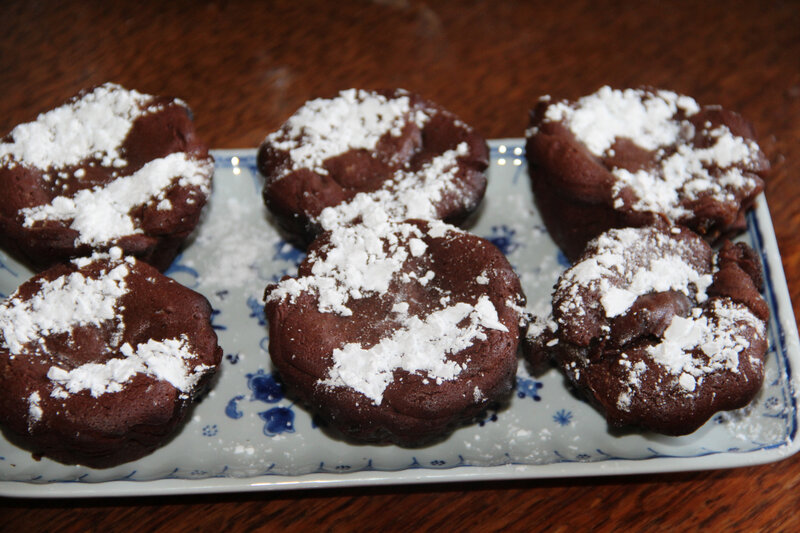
<point x="246" y="432"/>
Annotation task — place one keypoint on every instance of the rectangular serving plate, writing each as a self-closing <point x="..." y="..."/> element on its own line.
<point x="246" y="436"/>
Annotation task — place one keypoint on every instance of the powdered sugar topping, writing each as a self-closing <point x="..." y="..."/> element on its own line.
<point x="657" y="121"/>
<point x="168" y="360"/>
<point x="359" y="261"/>
<point x="420" y="346"/>
<point x="629" y="263"/>
<point x="103" y="214"/>
<point x="709" y="342"/>
<point x="59" y="306"/>
<point x="76" y="300"/>
<point x="355" y="119"/>
<point x="94" y="126"/>
<point x="405" y="195"/>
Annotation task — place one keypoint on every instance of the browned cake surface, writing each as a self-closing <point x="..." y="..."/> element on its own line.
<point x="83" y="358"/>
<point x="109" y="167"/>
<point x="619" y="158"/>
<point x="430" y="337"/>
<point x="656" y="331"/>
<point x="382" y="143"/>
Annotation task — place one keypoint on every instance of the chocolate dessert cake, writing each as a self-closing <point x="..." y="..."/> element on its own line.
<point x="620" y="158"/>
<point x="397" y="331"/>
<point x="657" y="330"/>
<point x="110" y="167"/>
<point x="390" y="147"/>
<point x="100" y="359"/>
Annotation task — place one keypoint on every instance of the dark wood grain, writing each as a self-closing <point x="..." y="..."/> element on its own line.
<point x="244" y="67"/>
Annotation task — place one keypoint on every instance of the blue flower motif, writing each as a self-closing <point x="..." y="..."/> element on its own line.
<point x="210" y="430"/>
<point x="503" y="238"/>
<point x="257" y="310"/>
<point x="529" y="387"/>
<point x="490" y="418"/>
<point x="177" y="268"/>
<point x="232" y="410"/>
<point x="563" y="417"/>
<point x="3" y="266"/>
<point x="232" y="357"/>
<point x="438" y="462"/>
<point x="562" y="260"/>
<point x="284" y="251"/>
<point x="772" y="402"/>
<point x="265" y="387"/>
<point x="214" y="314"/>
<point x="264" y="344"/>
<point x="277" y="420"/>
<point x="582" y="457"/>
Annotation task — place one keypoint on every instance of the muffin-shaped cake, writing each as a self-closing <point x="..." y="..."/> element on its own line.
<point x="388" y="147"/>
<point x="620" y="158"/>
<point x="657" y="330"/>
<point x="110" y="167"/>
<point x="397" y="331"/>
<point x="100" y="359"/>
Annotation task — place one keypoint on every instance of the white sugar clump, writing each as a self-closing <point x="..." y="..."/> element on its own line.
<point x="358" y="261"/>
<point x="405" y="195"/>
<point x="599" y="119"/>
<point x="94" y="126"/>
<point x="35" y="411"/>
<point x="102" y="214"/>
<point x="720" y="334"/>
<point x="420" y="346"/>
<point x="355" y="119"/>
<point x="630" y="263"/>
<point x="648" y="119"/>
<point x="167" y="360"/>
<point x="635" y="372"/>
<point x="686" y="174"/>
<point x="59" y="306"/>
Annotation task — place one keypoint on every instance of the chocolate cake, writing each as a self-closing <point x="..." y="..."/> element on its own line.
<point x="657" y="330"/>
<point x="364" y="147"/>
<point x="100" y="359"/>
<point x="110" y="167"/>
<point x="397" y="331"/>
<point x="620" y="158"/>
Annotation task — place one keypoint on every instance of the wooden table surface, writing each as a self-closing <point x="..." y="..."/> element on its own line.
<point x="244" y="67"/>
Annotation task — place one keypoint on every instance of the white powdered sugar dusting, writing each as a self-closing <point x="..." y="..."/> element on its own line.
<point x="632" y="262"/>
<point x="420" y="346"/>
<point x="102" y="214"/>
<point x="93" y="126"/>
<point x="652" y="121"/>
<point x="35" y="411"/>
<point x="406" y="195"/>
<point x="61" y="305"/>
<point x="599" y="119"/>
<point x="720" y="333"/>
<point x="355" y="119"/>
<point x="359" y="261"/>
<point x="687" y="174"/>
<point x="635" y="372"/>
<point x="166" y="360"/>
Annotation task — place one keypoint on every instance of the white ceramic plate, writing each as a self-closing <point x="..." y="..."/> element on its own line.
<point x="247" y="436"/>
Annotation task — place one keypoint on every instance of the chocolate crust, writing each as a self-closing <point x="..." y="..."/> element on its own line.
<point x="574" y="188"/>
<point x="297" y="196"/>
<point x="114" y="427"/>
<point x="166" y="128"/>
<point x="414" y="410"/>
